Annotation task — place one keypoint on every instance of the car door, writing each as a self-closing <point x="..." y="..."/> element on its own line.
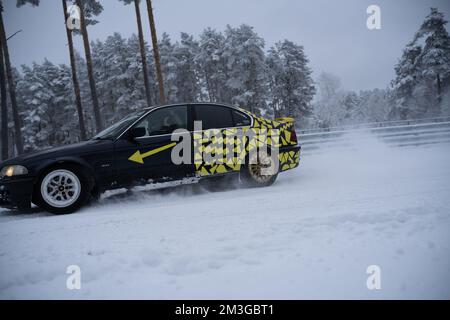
<point x="215" y="120"/>
<point x="148" y="158"/>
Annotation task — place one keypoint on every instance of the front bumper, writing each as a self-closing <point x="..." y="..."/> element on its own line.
<point x="289" y="157"/>
<point x="16" y="192"/>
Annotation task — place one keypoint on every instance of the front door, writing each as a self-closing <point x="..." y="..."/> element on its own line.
<point x="148" y="158"/>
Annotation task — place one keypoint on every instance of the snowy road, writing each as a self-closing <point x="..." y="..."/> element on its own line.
<point x="312" y="235"/>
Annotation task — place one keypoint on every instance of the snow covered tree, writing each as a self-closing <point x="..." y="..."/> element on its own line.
<point x="212" y="66"/>
<point x="49" y="110"/>
<point x="335" y="106"/>
<point x="110" y="67"/>
<point x="119" y="76"/>
<point x="187" y="79"/>
<point x="351" y="106"/>
<point x="246" y="68"/>
<point x="291" y="86"/>
<point x="373" y="106"/>
<point x="169" y="64"/>
<point x="328" y="108"/>
<point x="134" y="96"/>
<point x="423" y="72"/>
<point x="434" y="59"/>
<point x="403" y="86"/>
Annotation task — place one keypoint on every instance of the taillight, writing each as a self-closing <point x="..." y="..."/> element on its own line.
<point x="293" y="136"/>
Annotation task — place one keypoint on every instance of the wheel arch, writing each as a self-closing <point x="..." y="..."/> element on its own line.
<point x="90" y="174"/>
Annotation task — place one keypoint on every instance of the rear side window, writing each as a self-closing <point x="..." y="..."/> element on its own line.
<point x="240" y="119"/>
<point x="213" y="117"/>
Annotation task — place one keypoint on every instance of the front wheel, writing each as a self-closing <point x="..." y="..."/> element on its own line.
<point x="261" y="171"/>
<point x="62" y="190"/>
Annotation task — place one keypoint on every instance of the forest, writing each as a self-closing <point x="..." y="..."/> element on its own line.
<point x="47" y="104"/>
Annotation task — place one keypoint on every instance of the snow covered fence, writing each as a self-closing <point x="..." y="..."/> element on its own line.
<point x="393" y="133"/>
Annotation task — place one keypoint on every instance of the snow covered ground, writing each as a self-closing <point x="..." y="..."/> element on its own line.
<point x="312" y="235"/>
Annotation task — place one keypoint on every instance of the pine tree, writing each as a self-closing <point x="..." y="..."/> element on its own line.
<point x="45" y="93"/>
<point x="142" y="50"/>
<point x="403" y="86"/>
<point x="373" y="106"/>
<point x="156" y="56"/>
<point x="133" y="97"/>
<point x="246" y="68"/>
<point x="212" y="66"/>
<point x="291" y="85"/>
<point x="89" y="8"/>
<point x="351" y="106"/>
<point x="118" y="72"/>
<point x="434" y="59"/>
<point x="187" y="80"/>
<point x="76" y="84"/>
<point x="423" y="72"/>
<point x="11" y="82"/>
<point x="85" y="93"/>
<point x="169" y="68"/>
<point x="108" y="58"/>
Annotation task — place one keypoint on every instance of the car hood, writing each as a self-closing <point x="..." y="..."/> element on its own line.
<point x="68" y="150"/>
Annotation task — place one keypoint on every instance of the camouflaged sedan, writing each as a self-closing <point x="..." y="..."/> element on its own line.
<point x="152" y="146"/>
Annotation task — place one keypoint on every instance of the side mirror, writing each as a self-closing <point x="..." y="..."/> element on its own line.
<point x="136" y="133"/>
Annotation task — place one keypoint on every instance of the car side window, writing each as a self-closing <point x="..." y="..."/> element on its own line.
<point x="240" y="119"/>
<point x="213" y="117"/>
<point x="164" y="121"/>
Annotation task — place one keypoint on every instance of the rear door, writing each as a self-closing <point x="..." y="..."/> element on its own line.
<point x="148" y="158"/>
<point x="215" y="120"/>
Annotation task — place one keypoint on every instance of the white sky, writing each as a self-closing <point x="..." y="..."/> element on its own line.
<point x="334" y="33"/>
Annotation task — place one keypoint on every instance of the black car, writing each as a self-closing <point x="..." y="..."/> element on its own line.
<point x="138" y="149"/>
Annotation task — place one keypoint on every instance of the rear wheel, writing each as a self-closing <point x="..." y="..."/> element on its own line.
<point x="261" y="171"/>
<point x="62" y="189"/>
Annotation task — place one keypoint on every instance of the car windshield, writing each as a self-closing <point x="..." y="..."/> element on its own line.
<point x="116" y="129"/>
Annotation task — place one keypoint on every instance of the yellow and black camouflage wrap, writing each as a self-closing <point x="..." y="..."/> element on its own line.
<point x="230" y="147"/>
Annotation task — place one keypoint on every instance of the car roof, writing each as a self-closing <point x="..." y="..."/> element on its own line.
<point x="190" y="103"/>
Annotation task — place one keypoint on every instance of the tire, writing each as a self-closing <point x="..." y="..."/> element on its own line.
<point x="259" y="172"/>
<point x="62" y="189"/>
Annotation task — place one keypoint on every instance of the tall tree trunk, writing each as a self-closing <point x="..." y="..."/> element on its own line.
<point x="76" y="85"/>
<point x="11" y="86"/>
<point x="439" y="88"/>
<point x="159" y="76"/>
<point x="4" y="109"/>
<point x="143" y="55"/>
<point x="87" y="51"/>
<point x="208" y="86"/>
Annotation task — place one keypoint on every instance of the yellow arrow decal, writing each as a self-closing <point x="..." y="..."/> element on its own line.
<point x="139" y="157"/>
